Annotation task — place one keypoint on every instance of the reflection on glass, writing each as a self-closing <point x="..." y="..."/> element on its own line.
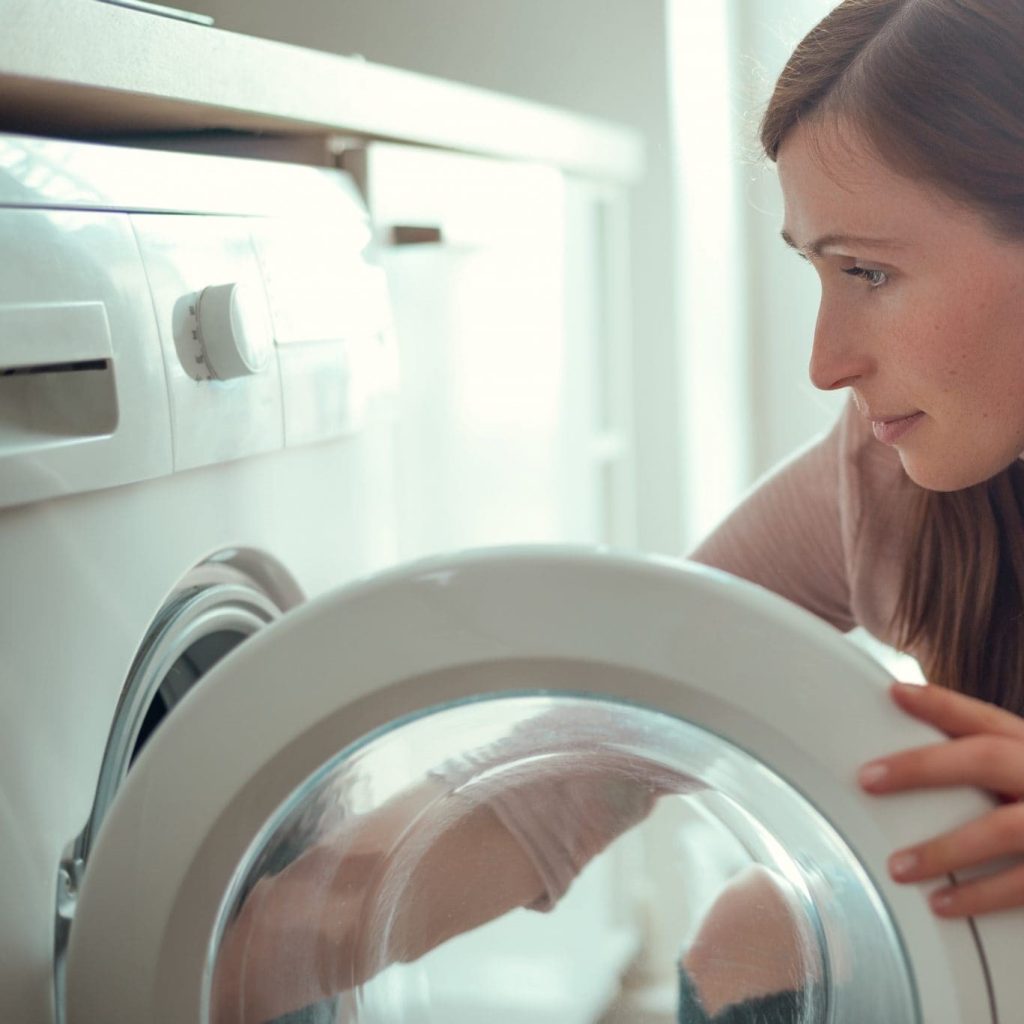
<point x="534" y="859"/>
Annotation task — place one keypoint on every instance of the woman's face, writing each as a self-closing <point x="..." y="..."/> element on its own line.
<point x="922" y="308"/>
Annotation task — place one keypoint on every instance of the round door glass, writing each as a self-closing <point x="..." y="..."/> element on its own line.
<point x="552" y="858"/>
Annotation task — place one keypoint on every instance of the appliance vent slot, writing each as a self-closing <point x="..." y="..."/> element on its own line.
<point x="77" y="366"/>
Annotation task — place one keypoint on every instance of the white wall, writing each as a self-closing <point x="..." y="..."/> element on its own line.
<point x="712" y="289"/>
<point x="782" y="289"/>
<point x="604" y="58"/>
<point x="746" y="304"/>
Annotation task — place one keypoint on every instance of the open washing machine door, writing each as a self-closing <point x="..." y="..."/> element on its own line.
<point x="370" y="811"/>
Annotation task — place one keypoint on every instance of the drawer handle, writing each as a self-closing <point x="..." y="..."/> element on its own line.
<point x="50" y="337"/>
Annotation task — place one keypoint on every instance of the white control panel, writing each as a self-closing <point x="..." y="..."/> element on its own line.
<point x="151" y="328"/>
<point x="219" y="411"/>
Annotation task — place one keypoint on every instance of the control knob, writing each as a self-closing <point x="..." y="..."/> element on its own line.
<point x="233" y="329"/>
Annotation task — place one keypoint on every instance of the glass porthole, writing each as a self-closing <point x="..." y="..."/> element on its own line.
<point x="545" y="858"/>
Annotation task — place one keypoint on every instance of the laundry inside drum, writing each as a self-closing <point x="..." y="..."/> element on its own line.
<point x="552" y="858"/>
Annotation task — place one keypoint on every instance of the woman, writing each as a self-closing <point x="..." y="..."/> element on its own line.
<point x="898" y="130"/>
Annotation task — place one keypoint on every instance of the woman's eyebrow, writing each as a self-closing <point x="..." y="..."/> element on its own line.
<point x="839" y="241"/>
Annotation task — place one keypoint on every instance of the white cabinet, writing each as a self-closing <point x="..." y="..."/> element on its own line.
<point x="509" y="425"/>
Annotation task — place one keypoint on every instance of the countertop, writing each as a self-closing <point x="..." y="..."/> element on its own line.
<point x="80" y="68"/>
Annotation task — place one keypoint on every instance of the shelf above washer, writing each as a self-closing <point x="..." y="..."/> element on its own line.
<point x="77" y="69"/>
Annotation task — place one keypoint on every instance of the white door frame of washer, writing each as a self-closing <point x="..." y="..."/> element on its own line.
<point x="773" y="682"/>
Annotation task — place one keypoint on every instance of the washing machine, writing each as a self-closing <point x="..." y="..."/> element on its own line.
<point x="197" y="385"/>
<point x="252" y="772"/>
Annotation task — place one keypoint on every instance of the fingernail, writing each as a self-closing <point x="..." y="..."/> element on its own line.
<point x="903" y="864"/>
<point x="872" y="774"/>
<point x="942" y="900"/>
<point x="907" y="691"/>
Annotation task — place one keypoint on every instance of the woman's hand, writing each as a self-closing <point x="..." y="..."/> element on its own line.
<point x="985" y="749"/>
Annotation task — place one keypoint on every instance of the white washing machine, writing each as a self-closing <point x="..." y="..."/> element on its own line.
<point x="330" y="821"/>
<point x="195" y="379"/>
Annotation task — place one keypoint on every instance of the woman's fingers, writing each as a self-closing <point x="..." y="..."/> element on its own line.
<point x="985" y="750"/>
<point x="990" y="762"/>
<point x="997" y="834"/>
<point x="1001" y="891"/>
<point x="956" y="714"/>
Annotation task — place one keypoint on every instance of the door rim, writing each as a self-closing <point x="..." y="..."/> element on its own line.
<point x="458" y="611"/>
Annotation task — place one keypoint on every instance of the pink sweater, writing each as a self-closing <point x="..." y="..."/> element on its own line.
<point x="825" y="529"/>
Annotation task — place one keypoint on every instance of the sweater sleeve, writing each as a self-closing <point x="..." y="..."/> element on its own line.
<point x="792" y="533"/>
<point x="566" y="783"/>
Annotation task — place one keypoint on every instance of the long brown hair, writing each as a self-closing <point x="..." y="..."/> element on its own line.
<point x="937" y="88"/>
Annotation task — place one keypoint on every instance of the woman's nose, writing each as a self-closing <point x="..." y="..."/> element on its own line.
<point x="839" y="358"/>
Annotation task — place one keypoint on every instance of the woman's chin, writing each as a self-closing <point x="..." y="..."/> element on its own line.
<point x="946" y="474"/>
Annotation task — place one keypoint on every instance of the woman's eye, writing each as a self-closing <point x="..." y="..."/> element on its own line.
<point x="874" y="278"/>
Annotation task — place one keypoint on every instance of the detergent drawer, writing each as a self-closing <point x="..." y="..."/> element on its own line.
<point x="83" y="402"/>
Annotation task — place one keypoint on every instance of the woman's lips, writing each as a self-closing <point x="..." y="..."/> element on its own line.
<point x="889" y="431"/>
